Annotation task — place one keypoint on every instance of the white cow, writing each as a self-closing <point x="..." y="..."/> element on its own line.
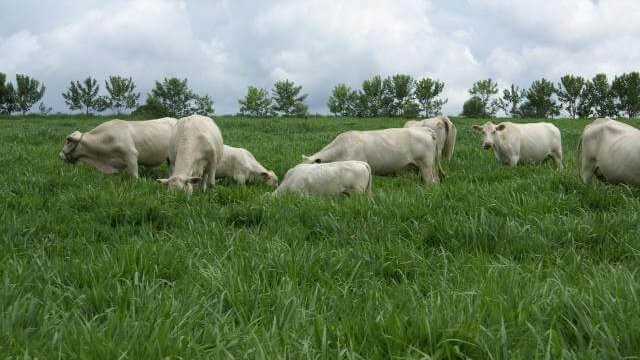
<point x="611" y="152"/>
<point x="196" y="149"/>
<point x="387" y="151"/>
<point x="521" y="143"/>
<point x="334" y="178"/>
<point x="445" y="133"/>
<point x="118" y="145"/>
<point x="240" y="165"/>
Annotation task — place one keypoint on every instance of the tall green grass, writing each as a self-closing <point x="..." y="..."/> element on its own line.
<point x="494" y="263"/>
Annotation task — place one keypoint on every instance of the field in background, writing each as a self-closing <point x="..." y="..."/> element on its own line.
<point x="495" y="262"/>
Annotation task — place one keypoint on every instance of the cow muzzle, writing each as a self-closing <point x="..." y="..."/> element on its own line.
<point x="67" y="159"/>
<point x="487" y="146"/>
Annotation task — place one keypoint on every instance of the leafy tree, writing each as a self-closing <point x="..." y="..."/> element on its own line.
<point x="174" y="96"/>
<point x="411" y="110"/>
<point x="600" y="97"/>
<point x="256" y="103"/>
<point x="626" y="90"/>
<point x="570" y="90"/>
<point x="403" y="86"/>
<point x="152" y="109"/>
<point x="202" y="105"/>
<point x="7" y="96"/>
<point x="287" y="99"/>
<point x="28" y="91"/>
<point x="43" y="109"/>
<point x="342" y="101"/>
<point x="511" y="101"/>
<point x="370" y="99"/>
<point x="539" y="100"/>
<point x="426" y="92"/>
<point x="121" y="94"/>
<point x="84" y="96"/>
<point x="387" y="98"/>
<point x="484" y="90"/>
<point x="474" y="108"/>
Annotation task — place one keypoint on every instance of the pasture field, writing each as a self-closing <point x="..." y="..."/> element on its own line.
<point x="494" y="263"/>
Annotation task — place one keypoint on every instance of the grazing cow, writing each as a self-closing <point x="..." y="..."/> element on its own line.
<point x="334" y="178"/>
<point x="240" y="165"/>
<point x="117" y="145"/>
<point x="610" y="150"/>
<point x="521" y="143"/>
<point x="196" y="149"/>
<point x="387" y="151"/>
<point x="445" y="133"/>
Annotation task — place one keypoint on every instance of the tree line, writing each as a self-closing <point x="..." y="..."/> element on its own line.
<point x="399" y="95"/>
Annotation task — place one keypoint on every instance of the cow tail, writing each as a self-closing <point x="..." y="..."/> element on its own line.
<point x="579" y="156"/>
<point x="439" y="172"/>
<point x="370" y="180"/>
<point x="450" y="140"/>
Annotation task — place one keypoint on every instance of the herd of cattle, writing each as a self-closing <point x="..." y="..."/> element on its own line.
<point x="196" y="154"/>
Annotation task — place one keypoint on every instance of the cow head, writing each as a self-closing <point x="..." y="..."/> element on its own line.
<point x="69" y="152"/>
<point x="181" y="182"/>
<point x="490" y="131"/>
<point x="310" y="160"/>
<point x="269" y="178"/>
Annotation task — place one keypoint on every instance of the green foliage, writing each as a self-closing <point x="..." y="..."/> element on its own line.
<point x="570" y="91"/>
<point x="370" y="99"/>
<point x="287" y="99"/>
<point x="202" y="105"/>
<point x="411" y="110"/>
<point x="400" y="90"/>
<point x="540" y="102"/>
<point x="256" y="103"/>
<point x="485" y="90"/>
<point x="496" y="262"/>
<point x="426" y="92"/>
<point x="474" y="108"/>
<point x="43" y="109"/>
<point x="121" y="94"/>
<point x="84" y="96"/>
<point x="511" y="101"/>
<point x="342" y="101"/>
<point x="626" y="91"/>
<point x="28" y="91"/>
<point x="599" y="99"/>
<point x="151" y="109"/>
<point x="7" y="96"/>
<point x="173" y="97"/>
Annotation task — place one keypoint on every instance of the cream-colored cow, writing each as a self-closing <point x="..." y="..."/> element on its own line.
<point x="240" y="165"/>
<point x="330" y="179"/>
<point x="445" y="133"/>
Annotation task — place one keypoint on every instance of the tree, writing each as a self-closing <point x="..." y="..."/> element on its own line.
<point x="342" y="101"/>
<point x="474" y="108"/>
<point x="84" y="95"/>
<point x="600" y="97"/>
<point x="256" y="103"/>
<point x="411" y="110"/>
<point x="43" y="109"/>
<point x="202" y="105"/>
<point x="484" y="90"/>
<point x="287" y="99"/>
<point x="403" y="86"/>
<point x="174" y="96"/>
<point x="570" y="89"/>
<point x="540" y="102"/>
<point x="121" y="94"/>
<point x="7" y="96"/>
<point x="626" y="90"/>
<point x="369" y="100"/>
<point x="511" y="101"/>
<point x="152" y="109"/>
<point x="426" y="91"/>
<point x="28" y="91"/>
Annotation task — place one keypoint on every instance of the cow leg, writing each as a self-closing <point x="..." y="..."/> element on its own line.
<point x="587" y="170"/>
<point x="131" y="159"/>
<point x="513" y="160"/>
<point x="557" y="157"/>
<point x="170" y="164"/>
<point x="211" y="175"/>
<point x="428" y="172"/>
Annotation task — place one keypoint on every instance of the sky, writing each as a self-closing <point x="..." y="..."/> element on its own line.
<point x="222" y="46"/>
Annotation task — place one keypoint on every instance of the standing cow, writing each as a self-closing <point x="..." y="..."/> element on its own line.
<point x="445" y="133"/>
<point x="610" y="150"/>
<point x="521" y="143"/>
<point x="330" y="179"/>
<point x="118" y="145"/>
<point x="240" y="165"/>
<point x="196" y="149"/>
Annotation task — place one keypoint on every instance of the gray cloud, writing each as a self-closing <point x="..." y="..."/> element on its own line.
<point x="224" y="46"/>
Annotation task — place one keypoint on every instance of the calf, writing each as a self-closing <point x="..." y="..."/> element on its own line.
<point x="334" y="178"/>
<point x="240" y="165"/>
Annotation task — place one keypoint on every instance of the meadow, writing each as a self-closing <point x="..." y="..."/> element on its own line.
<point x="493" y="263"/>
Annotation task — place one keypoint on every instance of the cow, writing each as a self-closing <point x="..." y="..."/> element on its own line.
<point x="522" y="143"/>
<point x="445" y="133"/>
<point x="196" y="149"/>
<point x="610" y="150"/>
<point x="240" y="165"/>
<point x="117" y="145"/>
<point x="329" y="179"/>
<point x="387" y="151"/>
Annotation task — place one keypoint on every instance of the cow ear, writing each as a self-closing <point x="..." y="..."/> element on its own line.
<point x="478" y="128"/>
<point x="264" y="174"/>
<point x="162" y="181"/>
<point x="500" y="127"/>
<point x="194" y="180"/>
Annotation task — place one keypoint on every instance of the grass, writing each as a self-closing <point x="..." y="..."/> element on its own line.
<point x="494" y="263"/>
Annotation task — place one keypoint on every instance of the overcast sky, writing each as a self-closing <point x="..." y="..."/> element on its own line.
<point x="222" y="47"/>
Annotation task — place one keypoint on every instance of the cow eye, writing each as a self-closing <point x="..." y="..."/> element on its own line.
<point x="494" y="131"/>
